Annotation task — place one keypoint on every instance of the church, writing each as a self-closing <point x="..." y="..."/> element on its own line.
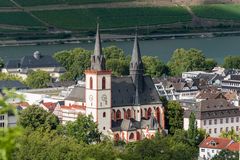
<point x="126" y="108"/>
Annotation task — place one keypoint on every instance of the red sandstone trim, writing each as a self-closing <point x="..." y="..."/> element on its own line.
<point x="97" y="72"/>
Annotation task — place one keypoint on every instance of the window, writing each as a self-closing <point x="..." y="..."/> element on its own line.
<point x="91" y="83"/>
<point x="128" y="114"/>
<point x="202" y="150"/>
<point x="212" y="151"/>
<point x="104" y="114"/>
<point x="237" y="119"/>
<point x="215" y="121"/>
<point x="2" y="117"/>
<point x="226" y="129"/>
<point x="237" y="128"/>
<point x="215" y="130"/>
<point x="210" y="122"/>
<point x="210" y="131"/>
<point x="104" y="128"/>
<point x="221" y="121"/>
<point x="118" y="114"/>
<point x="103" y="83"/>
<point x="232" y="120"/>
<point x="226" y="120"/>
<point x="2" y="125"/>
<point x="221" y="129"/>
<point x="131" y="136"/>
<point x="204" y="122"/>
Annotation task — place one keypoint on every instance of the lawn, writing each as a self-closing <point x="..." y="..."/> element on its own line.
<point x="51" y="2"/>
<point x="85" y="19"/>
<point x="6" y="3"/>
<point x="18" y="19"/>
<point x="218" y="11"/>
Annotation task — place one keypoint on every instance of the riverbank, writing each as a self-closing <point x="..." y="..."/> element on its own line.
<point x="116" y="38"/>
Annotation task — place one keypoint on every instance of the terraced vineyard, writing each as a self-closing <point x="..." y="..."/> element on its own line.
<point x="51" y="2"/>
<point x="18" y="19"/>
<point x="6" y="3"/>
<point x="218" y="11"/>
<point x="85" y="19"/>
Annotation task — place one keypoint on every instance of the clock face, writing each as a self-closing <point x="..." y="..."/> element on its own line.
<point x="90" y="98"/>
<point x="104" y="97"/>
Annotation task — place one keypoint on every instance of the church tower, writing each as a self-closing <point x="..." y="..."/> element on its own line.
<point x="136" y="70"/>
<point x="98" y="89"/>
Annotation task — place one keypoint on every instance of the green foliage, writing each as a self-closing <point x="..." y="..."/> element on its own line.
<point x="18" y="19"/>
<point x="85" y="19"/>
<point x="8" y="135"/>
<point x="218" y="11"/>
<point x="192" y="129"/>
<point x="154" y="67"/>
<point x="232" y="62"/>
<point x="174" y="116"/>
<point x="40" y="145"/>
<point x="35" y="118"/>
<point x="187" y="60"/>
<point x="210" y="64"/>
<point x="38" y="79"/>
<point x="226" y="155"/>
<point x="68" y="2"/>
<point x="75" y="61"/>
<point x="231" y="135"/>
<point x="83" y="130"/>
<point x="5" y="76"/>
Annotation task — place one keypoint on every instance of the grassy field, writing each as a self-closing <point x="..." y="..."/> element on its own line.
<point x="18" y="19"/>
<point x="85" y="19"/>
<point x="50" y="2"/>
<point x="218" y="11"/>
<point x="6" y="3"/>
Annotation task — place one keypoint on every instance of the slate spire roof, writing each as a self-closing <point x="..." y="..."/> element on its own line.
<point x="97" y="59"/>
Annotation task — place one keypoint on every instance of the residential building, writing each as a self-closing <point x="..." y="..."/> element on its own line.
<point x="231" y="83"/>
<point x="211" y="146"/>
<point x="214" y="116"/>
<point x="35" y="62"/>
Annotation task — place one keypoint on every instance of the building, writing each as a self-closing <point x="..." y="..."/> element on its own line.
<point x="211" y="146"/>
<point x="231" y="83"/>
<point x="176" y="89"/>
<point x="214" y="116"/>
<point x="35" y="62"/>
<point x="126" y="108"/>
<point x="10" y="84"/>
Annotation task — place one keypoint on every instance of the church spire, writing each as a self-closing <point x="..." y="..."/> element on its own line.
<point x="97" y="59"/>
<point x="136" y="67"/>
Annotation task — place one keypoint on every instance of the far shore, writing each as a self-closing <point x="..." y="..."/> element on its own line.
<point x="110" y="37"/>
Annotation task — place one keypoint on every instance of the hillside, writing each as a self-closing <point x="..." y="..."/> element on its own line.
<point x="33" y="19"/>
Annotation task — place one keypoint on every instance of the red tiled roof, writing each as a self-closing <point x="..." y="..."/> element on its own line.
<point x="50" y="105"/>
<point x="73" y="107"/>
<point x="219" y="143"/>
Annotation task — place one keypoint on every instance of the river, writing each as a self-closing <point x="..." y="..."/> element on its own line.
<point x="216" y="47"/>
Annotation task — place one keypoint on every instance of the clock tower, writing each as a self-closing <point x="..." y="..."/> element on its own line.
<point x="98" y="89"/>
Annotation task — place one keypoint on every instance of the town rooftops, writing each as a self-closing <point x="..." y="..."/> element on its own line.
<point x="213" y="108"/>
<point x="10" y="84"/>
<point x="73" y="107"/>
<point x="220" y="143"/>
<point x="35" y="61"/>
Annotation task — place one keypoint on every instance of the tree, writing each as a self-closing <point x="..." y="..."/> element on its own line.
<point x="1" y="63"/>
<point x="186" y="60"/>
<point x="192" y="130"/>
<point x="38" y="79"/>
<point x="231" y="62"/>
<point x="8" y="136"/>
<point x="83" y="129"/>
<point x="154" y="67"/>
<point x="230" y="135"/>
<point x="210" y="64"/>
<point x="174" y="116"/>
<point x="37" y="118"/>
<point x="226" y="155"/>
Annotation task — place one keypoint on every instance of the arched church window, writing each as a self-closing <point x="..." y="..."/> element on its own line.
<point x="131" y="136"/>
<point x="103" y="83"/>
<point x="128" y="114"/>
<point x="91" y="83"/>
<point x="104" y="114"/>
<point x="118" y="114"/>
